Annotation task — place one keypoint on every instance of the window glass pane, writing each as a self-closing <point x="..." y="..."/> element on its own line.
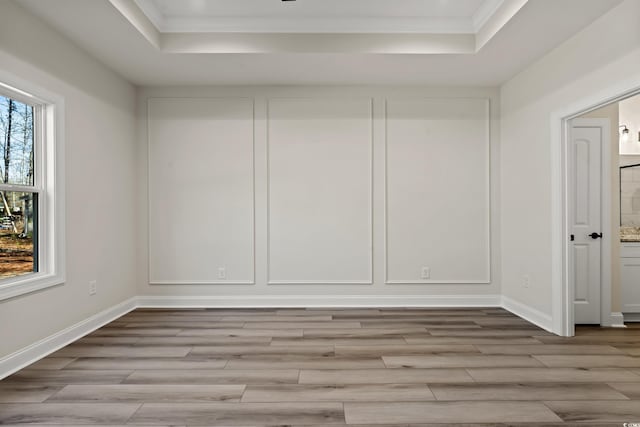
<point x="16" y="146"/>
<point x="18" y="233"/>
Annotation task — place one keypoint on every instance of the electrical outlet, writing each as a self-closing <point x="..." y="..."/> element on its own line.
<point x="222" y="273"/>
<point x="425" y="273"/>
<point x="93" y="287"/>
<point x="526" y="281"/>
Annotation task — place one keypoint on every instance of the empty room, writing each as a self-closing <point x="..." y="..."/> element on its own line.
<point x="319" y="212"/>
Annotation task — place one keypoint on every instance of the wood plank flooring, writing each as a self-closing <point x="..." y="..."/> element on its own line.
<point x="330" y="367"/>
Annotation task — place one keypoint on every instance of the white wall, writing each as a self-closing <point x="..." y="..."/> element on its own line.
<point x="200" y="145"/>
<point x="100" y="181"/>
<point x="604" y="55"/>
<point x="630" y="116"/>
<point x="319" y="174"/>
<point x="304" y="194"/>
<point x="437" y="193"/>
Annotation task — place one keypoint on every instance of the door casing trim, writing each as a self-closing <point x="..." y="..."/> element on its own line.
<point x="561" y="290"/>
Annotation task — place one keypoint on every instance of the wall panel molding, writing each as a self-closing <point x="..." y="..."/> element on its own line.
<point x="367" y="257"/>
<point x="485" y="177"/>
<point x="269" y="119"/>
<point x="252" y="262"/>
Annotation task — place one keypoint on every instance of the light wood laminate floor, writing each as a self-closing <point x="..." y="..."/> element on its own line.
<point x="330" y="367"/>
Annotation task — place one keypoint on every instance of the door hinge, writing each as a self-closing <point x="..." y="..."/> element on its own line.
<point x="573" y="237"/>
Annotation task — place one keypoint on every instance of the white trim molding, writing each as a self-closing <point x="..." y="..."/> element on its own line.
<point x="36" y="351"/>
<point x="31" y="354"/>
<point x="318" y="301"/>
<point x="530" y="314"/>
<point x="631" y="317"/>
<point x="437" y="282"/>
<point x="150" y="273"/>
<point x="269" y="101"/>
<point x="615" y="320"/>
<point x="348" y="32"/>
<point x="49" y="155"/>
<point x="202" y="282"/>
<point x="488" y="200"/>
<point x="320" y="282"/>
<point x="562" y="303"/>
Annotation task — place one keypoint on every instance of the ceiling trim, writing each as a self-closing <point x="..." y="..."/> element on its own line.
<point x="364" y="24"/>
<point x="139" y="19"/>
<point x="498" y="19"/>
<point x="318" y="25"/>
<point x="225" y="43"/>
<point x="484" y="12"/>
<point x="490" y="18"/>
<point x="149" y="8"/>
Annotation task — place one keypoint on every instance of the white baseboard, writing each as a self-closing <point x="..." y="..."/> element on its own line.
<point x="631" y="317"/>
<point x="356" y="301"/>
<point x="534" y="316"/>
<point x="28" y="355"/>
<point x="615" y="320"/>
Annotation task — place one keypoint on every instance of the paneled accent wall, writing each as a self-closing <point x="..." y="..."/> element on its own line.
<point x="201" y="210"/>
<point x="437" y="191"/>
<point x="320" y="183"/>
<point x="291" y="193"/>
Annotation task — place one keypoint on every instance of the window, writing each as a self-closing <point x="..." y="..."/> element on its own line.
<point x="31" y="250"/>
<point x="18" y="189"/>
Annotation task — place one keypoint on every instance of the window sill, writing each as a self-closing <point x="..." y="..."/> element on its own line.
<point x="29" y="283"/>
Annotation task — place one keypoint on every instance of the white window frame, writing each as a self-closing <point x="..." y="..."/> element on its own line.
<point x="48" y="184"/>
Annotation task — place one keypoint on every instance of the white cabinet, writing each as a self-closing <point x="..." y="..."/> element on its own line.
<point x="630" y="277"/>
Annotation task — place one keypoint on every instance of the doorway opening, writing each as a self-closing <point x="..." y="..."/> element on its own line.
<point x="599" y="206"/>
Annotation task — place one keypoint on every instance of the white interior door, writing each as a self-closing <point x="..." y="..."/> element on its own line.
<point x="585" y="217"/>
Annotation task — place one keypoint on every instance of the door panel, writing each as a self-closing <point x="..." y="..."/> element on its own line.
<point x="581" y="263"/>
<point x="582" y="178"/>
<point x="585" y="207"/>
